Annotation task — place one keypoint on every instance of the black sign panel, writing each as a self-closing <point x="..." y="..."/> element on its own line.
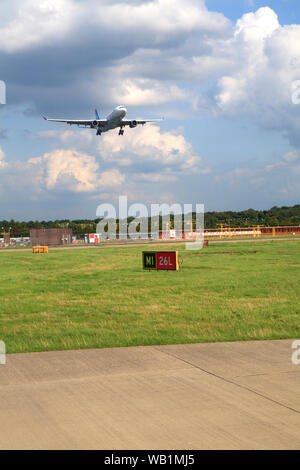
<point x="149" y="260"/>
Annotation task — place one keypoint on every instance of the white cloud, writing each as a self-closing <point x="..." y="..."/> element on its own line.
<point x="31" y="23"/>
<point x="260" y="87"/>
<point x="111" y="179"/>
<point x="148" y="152"/>
<point x="150" y="146"/>
<point x="124" y="51"/>
<point x="35" y="23"/>
<point x="81" y="168"/>
<point x="2" y="159"/>
<point x="147" y="92"/>
<point x="256" y="26"/>
<point x="62" y="169"/>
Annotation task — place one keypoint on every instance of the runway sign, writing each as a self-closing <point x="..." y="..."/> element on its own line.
<point x="149" y="260"/>
<point x="161" y="260"/>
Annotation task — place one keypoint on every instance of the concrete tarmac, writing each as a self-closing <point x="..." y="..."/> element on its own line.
<point x="243" y="395"/>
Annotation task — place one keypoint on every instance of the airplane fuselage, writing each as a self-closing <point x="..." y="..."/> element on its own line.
<point x="114" y="119"/>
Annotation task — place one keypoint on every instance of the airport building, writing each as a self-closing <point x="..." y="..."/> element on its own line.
<point x="51" y="236"/>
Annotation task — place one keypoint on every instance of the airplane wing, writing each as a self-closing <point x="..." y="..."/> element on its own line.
<point x="78" y="122"/>
<point x="129" y="122"/>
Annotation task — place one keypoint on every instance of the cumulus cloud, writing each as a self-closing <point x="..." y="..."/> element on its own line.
<point x="147" y="150"/>
<point x="32" y="23"/>
<point x="261" y="87"/>
<point x="147" y="92"/>
<point x="62" y="169"/>
<point x="54" y="50"/>
<point x="79" y="167"/>
<point x="150" y="148"/>
<point x="24" y="26"/>
<point x="111" y="179"/>
<point x="104" y="167"/>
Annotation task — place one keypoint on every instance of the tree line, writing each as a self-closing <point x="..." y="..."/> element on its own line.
<point x="276" y="216"/>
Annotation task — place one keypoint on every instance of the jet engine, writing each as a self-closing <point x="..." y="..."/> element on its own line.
<point x="132" y="124"/>
<point x="95" y="124"/>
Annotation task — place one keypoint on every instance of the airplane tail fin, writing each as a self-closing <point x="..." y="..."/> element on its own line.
<point x="97" y="114"/>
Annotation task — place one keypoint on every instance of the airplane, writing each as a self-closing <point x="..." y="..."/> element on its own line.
<point x="114" y="119"/>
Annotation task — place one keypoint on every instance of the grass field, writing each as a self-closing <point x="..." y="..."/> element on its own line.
<point x="91" y="298"/>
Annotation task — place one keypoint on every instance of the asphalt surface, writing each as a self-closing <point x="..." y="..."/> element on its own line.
<point x="205" y="396"/>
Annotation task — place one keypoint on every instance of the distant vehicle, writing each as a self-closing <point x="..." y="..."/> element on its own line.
<point x="114" y="119"/>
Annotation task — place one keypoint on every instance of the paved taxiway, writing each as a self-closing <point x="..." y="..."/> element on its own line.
<point x="243" y="395"/>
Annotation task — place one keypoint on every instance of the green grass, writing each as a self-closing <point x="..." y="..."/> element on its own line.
<point x="93" y="298"/>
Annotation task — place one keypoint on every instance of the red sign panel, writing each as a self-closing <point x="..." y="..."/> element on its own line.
<point x="167" y="260"/>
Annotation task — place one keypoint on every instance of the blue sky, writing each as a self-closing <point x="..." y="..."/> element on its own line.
<point x="287" y="10"/>
<point x="220" y="72"/>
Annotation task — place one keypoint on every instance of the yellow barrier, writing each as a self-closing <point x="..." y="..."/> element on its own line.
<point x="39" y="249"/>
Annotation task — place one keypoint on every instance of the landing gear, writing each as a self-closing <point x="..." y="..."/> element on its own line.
<point x="121" y="132"/>
<point x="98" y="132"/>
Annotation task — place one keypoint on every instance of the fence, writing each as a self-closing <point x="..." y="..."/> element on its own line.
<point x="223" y="232"/>
<point x="169" y="234"/>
